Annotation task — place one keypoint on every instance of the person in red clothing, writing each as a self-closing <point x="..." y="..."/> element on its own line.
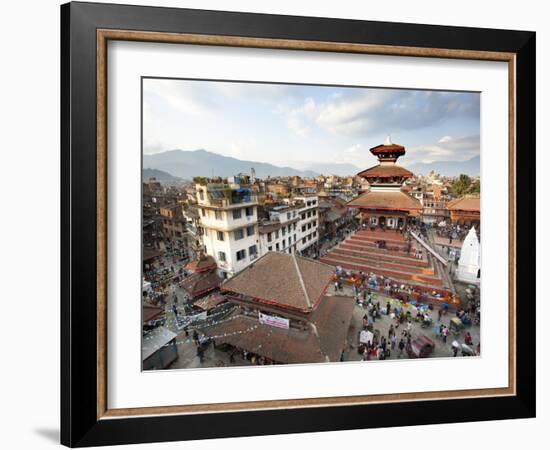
<point x="468" y="339"/>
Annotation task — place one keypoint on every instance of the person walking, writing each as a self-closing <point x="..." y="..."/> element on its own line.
<point x="445" y="333"/>
<point x="401" y="347"/>
<point x="393" y="341"/>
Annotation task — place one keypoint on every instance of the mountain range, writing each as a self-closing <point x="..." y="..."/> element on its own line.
<point x="189" y="164"/>
<point x="160" y="175"/>
<point x="448" y="168"/>
<point x="173" y="165"/>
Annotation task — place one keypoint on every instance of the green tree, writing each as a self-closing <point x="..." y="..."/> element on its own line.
<point x="474" y="188"/>
<point x="461" y="185"/>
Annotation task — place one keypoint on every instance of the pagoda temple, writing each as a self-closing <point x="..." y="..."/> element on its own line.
<point x="385" y="205"/>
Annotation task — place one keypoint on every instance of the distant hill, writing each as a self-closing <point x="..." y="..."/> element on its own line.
<point x="339" y="169"/>
<point x="448" y="168"/>
<point x="160" y="175"/>
<point x="189" y="164"/>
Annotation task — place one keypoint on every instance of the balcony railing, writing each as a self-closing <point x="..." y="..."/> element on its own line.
<point x="226" y="202"/>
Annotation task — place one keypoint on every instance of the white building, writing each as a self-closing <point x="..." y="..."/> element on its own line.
<point x="308" y="225"/>
<point x="280" y="233"/>
<point x="229" y="220"/>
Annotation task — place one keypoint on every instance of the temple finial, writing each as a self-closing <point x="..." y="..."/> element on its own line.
<point x="388" y="140"/>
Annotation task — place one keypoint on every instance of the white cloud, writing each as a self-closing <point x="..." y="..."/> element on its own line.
<point x="353" y="149"/>
<point x="360" y="113"/>
<point x="185" y="96"/>
<point x="299" y="119"/>
<point x="446" y="149"/>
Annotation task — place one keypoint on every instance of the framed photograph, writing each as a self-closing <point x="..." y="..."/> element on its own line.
<point x="277" y="224"/>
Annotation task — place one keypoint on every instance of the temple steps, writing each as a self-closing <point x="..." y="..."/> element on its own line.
<point x="388" y="236"/>
<point x="378" y="257"/>
<point x="371" y="247"/>
<point x="381" y="269"/>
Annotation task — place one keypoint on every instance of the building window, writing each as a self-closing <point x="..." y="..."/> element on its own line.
<point x="218" y="215"/>
<point x="284" y="243"/>
<point x="287" y="215"/>
<point x="269" y="237"/>
<point x="221" y="256"/>
<point x="241" y="254"/>
<point x="250" y="231"/>
<point x="303" y="228"/>
<point x="277" y="247"/>
<point x="249" y="211"/>
<point x="219" y="234"/>
<point x="277" y="234"/>
<point x="239" y="234"/>
<point x="283" y="231"/>
<point x="270" y="248"/>
<point x="236" y="214"/>
<point x="203" y="212"/>
<point x="294" y="238"/>
<point x="253" y="252"/>
<point x="201" y="194"/>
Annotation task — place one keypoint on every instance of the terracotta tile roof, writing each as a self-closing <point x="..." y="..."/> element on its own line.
<point x="151" y="312"/>
<point x="395" y="200"/>
<point x="210" y="301"/>
<point x="204" y="263"/>
<point x="200" y="283"/>
<point x="386" y="171"/>
<point x="383" y="148"/>
<point x="467" y="203"/>
<point x="321" y="343"/>
<point x="281" y="279"/>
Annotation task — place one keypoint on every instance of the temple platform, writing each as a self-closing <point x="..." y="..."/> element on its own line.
<point x="361" y="252"/>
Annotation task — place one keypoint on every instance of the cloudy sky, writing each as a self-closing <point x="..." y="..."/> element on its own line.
<point x="295" y="125"/>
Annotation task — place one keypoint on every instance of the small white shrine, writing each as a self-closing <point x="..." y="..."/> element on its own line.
<point x="470" y="259"/>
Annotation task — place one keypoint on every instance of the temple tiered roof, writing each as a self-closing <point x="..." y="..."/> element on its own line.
<point x="382" y="200"/>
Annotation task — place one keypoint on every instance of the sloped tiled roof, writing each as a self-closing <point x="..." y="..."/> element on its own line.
<point x="204" y="263"/>
<point x="322" y="343"/>
<point x="210" y="301"/>
<point x="201" y="282"/>
<point x="381" y="171"/>
<point x="284" y="280"/>
<point x="467" y="203"/>
<point x="395" y="200"/>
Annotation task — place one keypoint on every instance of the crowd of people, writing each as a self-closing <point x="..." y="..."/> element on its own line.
<point x="362" y="283"/>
